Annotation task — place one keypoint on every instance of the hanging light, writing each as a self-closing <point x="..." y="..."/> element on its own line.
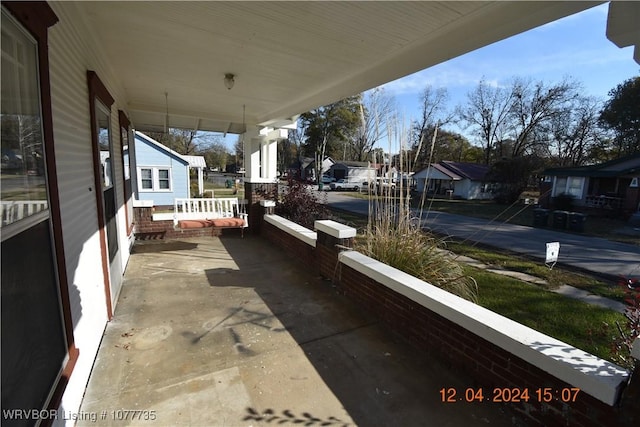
<point x="229" y="80"/>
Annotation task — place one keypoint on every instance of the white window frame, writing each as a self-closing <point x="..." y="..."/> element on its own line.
<point x="155" y="178"/>
<point x="142" y="178"/>
<point x="24" y="87"/>
<point x="565" y="190"/>
<point x="168" y="178"/>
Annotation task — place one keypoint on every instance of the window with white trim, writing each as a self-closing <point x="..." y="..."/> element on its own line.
<point x="572" y="185"/>
<point x="146" y="179"/>
<point x="164" y="183"/>
<point x="154" y="179"/>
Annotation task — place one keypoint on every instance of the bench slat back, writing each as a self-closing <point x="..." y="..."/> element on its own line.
<point x="226" y="207"/>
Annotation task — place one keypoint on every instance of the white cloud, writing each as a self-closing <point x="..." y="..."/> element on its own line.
<point x="449" y="76"/>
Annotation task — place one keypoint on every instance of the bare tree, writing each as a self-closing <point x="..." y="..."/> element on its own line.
<point x="180" y="140"/>
<point x="433" y="113"/>
<point x="533" y="107"/>
<point x="517" y="120"/>
<point x="574" y="132"/>
<point x="487" y="111"/>
<point x="374" y="114"/>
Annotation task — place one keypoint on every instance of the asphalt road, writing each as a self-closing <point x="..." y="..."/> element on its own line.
<point x="592" y="254"/>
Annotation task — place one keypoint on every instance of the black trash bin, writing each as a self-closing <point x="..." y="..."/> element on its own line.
<point x="576" y="221"/>
<point x="540" y="217"/>
<point x="560" y="219"/>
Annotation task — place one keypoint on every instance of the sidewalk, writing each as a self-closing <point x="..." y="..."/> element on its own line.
<point x="232" y="332"/>
<point x="566" y="290"/>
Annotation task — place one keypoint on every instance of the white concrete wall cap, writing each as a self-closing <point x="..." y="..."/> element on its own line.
<point x="335" y="229"/>
<point x="258" y="180"/>
<point x="599" y="378"/>
<point x="302" y="233"/>
<point x="142" y="203"/>
<point x="267" y="203"/>
<point x="162" y="216"/>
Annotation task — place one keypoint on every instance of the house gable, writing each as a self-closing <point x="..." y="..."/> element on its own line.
<point x="150" y="152"/>
<point x="436" y="171"/>
<point x="154" y="162"/>
<point x="625" y="166"/>
<point x="472" y="171"/>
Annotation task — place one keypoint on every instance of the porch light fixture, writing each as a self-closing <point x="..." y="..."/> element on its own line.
<point x="229" y="80"/>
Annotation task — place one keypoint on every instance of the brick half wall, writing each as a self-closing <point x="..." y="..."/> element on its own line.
<point x="492" y="368"/>
<point x="495" y="352"/>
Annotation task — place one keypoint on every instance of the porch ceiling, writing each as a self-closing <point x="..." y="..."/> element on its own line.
<point x="288" y="57"/>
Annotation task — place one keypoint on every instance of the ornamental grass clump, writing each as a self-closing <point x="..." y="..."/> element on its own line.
<point x="393" y="236"/>
<point x="417" y="253"/>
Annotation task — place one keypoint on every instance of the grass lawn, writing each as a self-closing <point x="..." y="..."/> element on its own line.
<point x="555" y="277"/>
<point x="582" y="325"/>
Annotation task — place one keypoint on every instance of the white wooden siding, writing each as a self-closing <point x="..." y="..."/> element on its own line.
<point x="71" y="54"/>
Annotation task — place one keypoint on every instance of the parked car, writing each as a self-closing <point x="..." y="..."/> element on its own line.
<point x="343" y="184"/>
<point x="327" y="179"/>
<point x="384" y="184"/>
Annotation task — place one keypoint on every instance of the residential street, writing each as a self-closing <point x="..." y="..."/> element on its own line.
<point x="592" y="254"/>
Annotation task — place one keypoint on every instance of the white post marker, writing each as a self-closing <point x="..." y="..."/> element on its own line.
<point x="553" y="249"/>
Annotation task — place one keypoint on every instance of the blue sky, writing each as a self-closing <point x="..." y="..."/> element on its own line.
<point x="575" y="46"/>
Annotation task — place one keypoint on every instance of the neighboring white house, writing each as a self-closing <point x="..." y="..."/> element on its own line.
<point x="163" y="174"/>
<point x="353" y="171"/>
<point x="454" y="179"/>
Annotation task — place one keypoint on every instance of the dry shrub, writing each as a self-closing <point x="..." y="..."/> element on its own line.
<point x="301" y="204"/>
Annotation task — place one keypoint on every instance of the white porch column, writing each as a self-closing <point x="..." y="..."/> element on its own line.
<point x="260" y="153"/>
<point x="261" y="167"/>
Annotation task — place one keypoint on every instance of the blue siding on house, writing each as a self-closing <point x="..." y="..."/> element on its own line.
<point x="150" y="154"/>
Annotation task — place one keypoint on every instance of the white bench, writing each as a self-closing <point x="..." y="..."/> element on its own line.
<point x="201" y="213"/>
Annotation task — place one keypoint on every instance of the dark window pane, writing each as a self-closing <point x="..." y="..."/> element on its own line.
<point x="23" y="190"/>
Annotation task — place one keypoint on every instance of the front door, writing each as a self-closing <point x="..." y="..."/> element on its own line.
<point x="109" y="200"/>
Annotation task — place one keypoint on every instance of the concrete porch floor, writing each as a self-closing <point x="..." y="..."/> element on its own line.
<point x="232" y="332"/>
